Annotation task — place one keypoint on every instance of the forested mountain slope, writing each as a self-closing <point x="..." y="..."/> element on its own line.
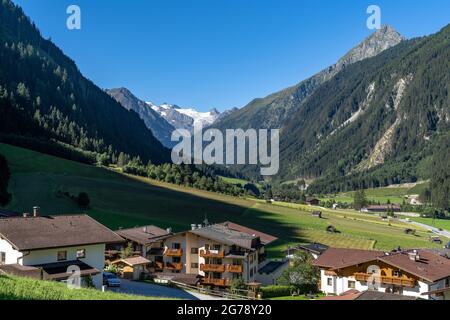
<point x="43" y="94"/>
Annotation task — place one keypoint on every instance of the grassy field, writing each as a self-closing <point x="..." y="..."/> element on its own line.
<point x="119" y="200"/>
<point x="437" y="223"/>
<point x="383" y="195"/>
<point x="15" y="288"/>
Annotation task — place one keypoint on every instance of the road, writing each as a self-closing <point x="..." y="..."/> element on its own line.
<point x="443" y="233"/>
<point x="152" y="290"/>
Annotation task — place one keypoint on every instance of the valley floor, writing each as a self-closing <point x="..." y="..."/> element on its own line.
<point x="119" y="200"/>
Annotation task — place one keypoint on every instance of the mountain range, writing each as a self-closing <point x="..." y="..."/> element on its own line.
<point x="370" y="120"/>
<point x="162" y="120"/>
<point x="374" y="118"/>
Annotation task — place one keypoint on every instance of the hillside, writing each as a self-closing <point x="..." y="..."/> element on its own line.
<point x="160" y="128"/>
<point x="119" y="200"/>
<point x="44" y="95"/>
<point x="375" y="122"/>
<point x="17" y="288"/>
<point x="273" y="110"/>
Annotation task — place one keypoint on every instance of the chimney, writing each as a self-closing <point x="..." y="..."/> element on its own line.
<point x="145" y="229"/>
<point x="414" y="256"/>
<point x="36" y="211"/>
<point x="199" y="226"/>
<point x="26" y="215"/>
<point x="193" y="226"/>
<point x="169" y="230"/>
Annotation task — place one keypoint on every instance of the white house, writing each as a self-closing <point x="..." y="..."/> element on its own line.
<point x="54" y="247"/>
<point x="423" y="274"/>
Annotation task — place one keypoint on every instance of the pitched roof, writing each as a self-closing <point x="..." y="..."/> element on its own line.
<point x="368" y="295"/>
<point x="55" y="232"/>
<point x="265" y="238"/>
<point x="133" y="261"/>
<point x="317" y="248"/>
<point x="430" y="266"/>
<point x="336" y="258"/>
<point x="144" y="235"/>
<point x="223" y="234"/>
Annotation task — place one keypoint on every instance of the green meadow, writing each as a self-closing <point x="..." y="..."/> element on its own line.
<point x="16" y="288"/>
<point x="119" y="200"/>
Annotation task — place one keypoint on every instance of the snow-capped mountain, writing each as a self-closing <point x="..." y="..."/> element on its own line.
<point x="184" y="118"/>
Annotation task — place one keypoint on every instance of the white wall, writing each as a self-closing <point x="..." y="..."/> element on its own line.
<point x="11" y="254"/>
<point x="95" y="257"/>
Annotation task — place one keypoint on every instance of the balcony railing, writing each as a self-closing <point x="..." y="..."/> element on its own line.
<point x="386" y="280"/>
<point x="216" y="282"/>
<point x="174" y="252"/>
<point x="173" y="266"/>
<point x="212" y="254"/>
<point x="235" y="268"/>
<point x="212" y="268"/>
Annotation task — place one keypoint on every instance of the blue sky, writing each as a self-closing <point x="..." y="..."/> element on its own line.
<point x="218" y="53"/>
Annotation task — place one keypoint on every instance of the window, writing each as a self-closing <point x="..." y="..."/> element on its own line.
<point x="207" y="247"/>
<point x="81" y="254"/>
<point x="351" y="284"/>
<point x="330" y="282"/>
<point x="176" y="246"/>
<point x="194" y="250"/>
<point x="62" y="255"/>
<point x="398" y="274"/>
<point x="447" y="282"/>
<point x="250" y="259"/>
<point x="194" y="265"/>
<point x="2" y="257"/>
<point x="217" y="247"/>
<point x="176" y="260"/>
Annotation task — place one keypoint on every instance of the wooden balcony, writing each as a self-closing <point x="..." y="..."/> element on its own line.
<point x="159" y="265"/>
<point x="212" y="254"/>
<point x="212" y="268"/>
<point x="174" y="253"/>
<point x="173" y="266"/>
<point x="235" y="268"/>
<point x="386" y="280"/>
<point x="216" y="282"/>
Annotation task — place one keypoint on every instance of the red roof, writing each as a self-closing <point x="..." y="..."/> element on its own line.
<point x="336" y="258"/>
<point x="265" y="238"/>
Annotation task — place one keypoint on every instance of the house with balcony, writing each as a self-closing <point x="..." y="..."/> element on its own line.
<point x="423" y="274"/>
<point x="217" y="253"/>
<point x="54" y="247"/>
<point x="146" y="241"/>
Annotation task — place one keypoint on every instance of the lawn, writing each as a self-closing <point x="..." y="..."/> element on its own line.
<point x="383" y="195"/>
<point x="437" y="223"/>
<point x="119" y="200"/>
<point x="16" y="288"/>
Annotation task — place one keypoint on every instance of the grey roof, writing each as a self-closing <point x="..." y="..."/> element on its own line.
<point x="272" y="266"/>
<point x="317" y="248"/>
<point x="222" y="234"/>
<point x="144" y="235"/>
<point x="55" y="232"/>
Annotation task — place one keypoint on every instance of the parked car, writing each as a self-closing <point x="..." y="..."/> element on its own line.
<point x="110" y="280"/>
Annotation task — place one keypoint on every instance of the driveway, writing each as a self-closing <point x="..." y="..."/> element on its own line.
<point x="153" y="290"/>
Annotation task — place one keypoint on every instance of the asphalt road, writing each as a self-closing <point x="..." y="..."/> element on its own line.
<point x="152" y="290"/>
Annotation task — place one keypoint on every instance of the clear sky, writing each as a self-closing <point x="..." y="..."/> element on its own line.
<point x="218" y="53"/>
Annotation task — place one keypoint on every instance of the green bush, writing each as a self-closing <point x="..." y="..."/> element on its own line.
<point x="275" y="291"/>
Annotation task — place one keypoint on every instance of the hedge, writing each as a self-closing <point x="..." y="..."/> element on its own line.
<point x="275" y="291"/>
